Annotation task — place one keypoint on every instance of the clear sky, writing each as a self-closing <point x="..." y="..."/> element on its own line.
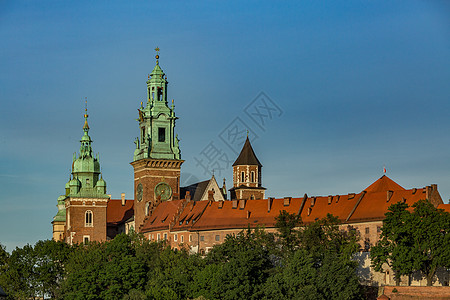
<point x="348" y="87"/>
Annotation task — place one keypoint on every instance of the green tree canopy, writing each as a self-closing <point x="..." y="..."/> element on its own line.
<point x="413" y="239"/>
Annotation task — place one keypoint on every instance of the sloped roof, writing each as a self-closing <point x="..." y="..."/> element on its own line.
<point x="116" y="213"/>
<point x="368" y="205"/>
<point x="445" y="207"/>
<point x="196" y="190"/>
<point x="384" y="184"/>
<point x="163" y="215"/>
<point x="247" y="156"/>
<point x="190" y="214"/>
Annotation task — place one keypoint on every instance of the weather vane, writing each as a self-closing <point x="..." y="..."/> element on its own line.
<point x="157" y="52"/>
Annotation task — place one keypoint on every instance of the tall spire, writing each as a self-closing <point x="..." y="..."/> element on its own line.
<point x="157" y="120"/>
<point x="86" y="148"/>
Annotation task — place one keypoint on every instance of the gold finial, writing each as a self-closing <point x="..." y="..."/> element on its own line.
<point x="172" y="101"/>
<point x="85" y="107"/>
<point x="157" y="52"/>
<point x="247" y="133"/>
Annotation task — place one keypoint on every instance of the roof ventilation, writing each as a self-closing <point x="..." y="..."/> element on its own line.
<point x="414" y="191"/>
<point x="220" y="204"/>
<point x="287" y="201"/>
<point x="313" y="201"/>
<point x="269" y="203"/>
<point x="241" y="204"/>
<point x="351" y="196"/>
<point x="330" y="199"/>
<point x="389" y="195"/>
<point x="309" y="210"/>
<point x="235" y="202"/>
<point x="337" y="198"/>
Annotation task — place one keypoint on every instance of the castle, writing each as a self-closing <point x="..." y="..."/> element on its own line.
<point x="201" y="215"/>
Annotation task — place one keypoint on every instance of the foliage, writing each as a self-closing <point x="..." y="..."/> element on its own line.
<point x="416" y="240"/>
<point x="321" y="267"/>
<point x="286" y="225"/>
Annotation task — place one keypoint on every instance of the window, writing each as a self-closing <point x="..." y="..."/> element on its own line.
<point x="161" y="134"/>
<point x="158" y="237"/>
<point x="182" y="238"/>
<point x="165" y="236"/>
<point x="190" y="238"/>
<point x="147" y="208"/>
<point x="86" y="239"/>
<point x="253" y="176"/>
<point x="367" y="230"/>
<point x="202" y="238"/>
<point x="378" y="229"/>
<point x="242" y="177"/>
<point x="88" y="219"/>
<point x="87" y="182"/>
<point x="175" y="237"/>
<point x="217" y="238"/>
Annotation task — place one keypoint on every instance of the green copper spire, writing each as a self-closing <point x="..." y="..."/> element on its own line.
<point x="86" y="169"/>
<point x="157" y="120"/>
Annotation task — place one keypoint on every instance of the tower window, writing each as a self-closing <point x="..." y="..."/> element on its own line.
<point x="242" y="177"/>
<point x="253" y="176"/>
<point x="161" y="134"/>
<point x="88" y="219"/>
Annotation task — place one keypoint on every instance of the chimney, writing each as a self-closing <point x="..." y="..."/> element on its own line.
<point x="287" y="201"/>
<point x="220" y="204"/>
<point x="330" y="199"/>
<point x="188" y="196"/>
<point x="428" y="192"/>
<point x="389" y="195"/>
<point x="313" y="201"/>
<point x="122" y="196"/>
<point x="269" y="203"/>
<point x="234" y="204"/>
<point x="241" y="204"/>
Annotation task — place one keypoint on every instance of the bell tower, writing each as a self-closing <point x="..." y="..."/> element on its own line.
<point x="247" y="175"/>
<point x="156" y="160"/>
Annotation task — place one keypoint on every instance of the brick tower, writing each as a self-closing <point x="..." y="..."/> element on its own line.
<point x="247" y="180"/>
<point x="81" y="213"/>
<point x="156" y="160"/>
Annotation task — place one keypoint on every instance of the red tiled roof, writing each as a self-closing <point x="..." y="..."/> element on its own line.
<point x="384" y="184"/>
<point x="162" y="215"/>
<point x="374" y="205"/>
<point x="370" y="204"/>
<point x="445" y="207"/>
<point x="116" y="213"/>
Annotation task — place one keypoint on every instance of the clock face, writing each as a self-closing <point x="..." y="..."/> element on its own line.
<point x="163" y="191"/>
<point x="139" y="191"/>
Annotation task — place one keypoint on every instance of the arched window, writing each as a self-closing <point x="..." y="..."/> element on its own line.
<point x="88" y="219"/>
<point x="242" y="177"/>
<point x="253" y="176"/>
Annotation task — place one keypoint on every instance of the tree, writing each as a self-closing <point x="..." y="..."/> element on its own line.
<point x="107" y="270"/>
<point x="286" y="225"/>
<point x="320" y="267"/>
<point x="416" y="240"/>
<point x="235" y="269"/>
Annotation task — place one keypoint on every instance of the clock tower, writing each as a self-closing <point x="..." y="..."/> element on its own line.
<point x="156" y="159"/>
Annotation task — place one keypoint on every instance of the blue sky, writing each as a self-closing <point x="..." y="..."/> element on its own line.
<point x="358" y="85"/>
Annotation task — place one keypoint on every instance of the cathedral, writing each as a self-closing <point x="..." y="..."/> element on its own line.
<point x="201" y="215"/>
